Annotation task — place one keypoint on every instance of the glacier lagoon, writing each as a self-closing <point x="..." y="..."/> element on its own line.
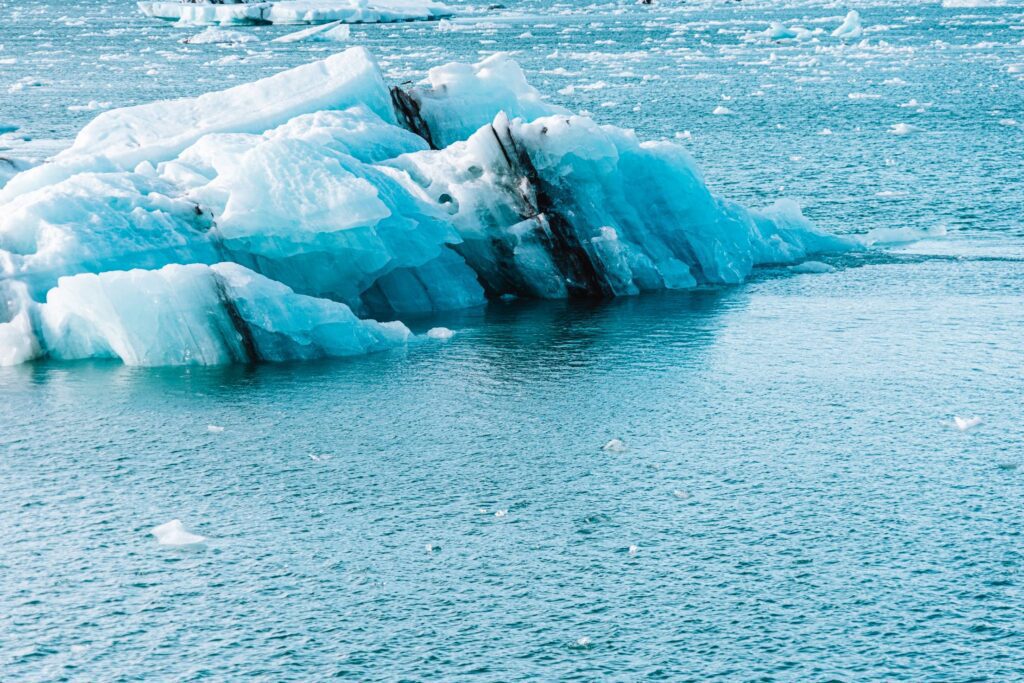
<point x="800" y="501"/>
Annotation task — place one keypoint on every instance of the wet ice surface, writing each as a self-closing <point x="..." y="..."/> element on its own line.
<point x="802" y="502"/>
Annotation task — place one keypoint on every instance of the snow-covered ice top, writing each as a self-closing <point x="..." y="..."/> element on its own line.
<point x="294" y="11"/>
<point x="260" y="222"/>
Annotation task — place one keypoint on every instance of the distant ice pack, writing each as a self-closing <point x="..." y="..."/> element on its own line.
<point x="270" y="221"/>
<point x="228" y="12"/>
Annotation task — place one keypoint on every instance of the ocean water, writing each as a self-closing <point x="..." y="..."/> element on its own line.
<point x="800" y="505"/>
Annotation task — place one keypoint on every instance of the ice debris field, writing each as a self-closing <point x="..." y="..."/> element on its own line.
<point x="257" y="223"/>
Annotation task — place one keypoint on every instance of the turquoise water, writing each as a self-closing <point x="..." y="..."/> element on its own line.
<point x="801" y="505"/>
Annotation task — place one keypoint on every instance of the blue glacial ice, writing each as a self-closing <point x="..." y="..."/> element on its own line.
<point x="263" y="222"/>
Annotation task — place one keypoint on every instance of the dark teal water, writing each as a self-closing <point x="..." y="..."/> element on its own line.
<point x="801" y="505"/>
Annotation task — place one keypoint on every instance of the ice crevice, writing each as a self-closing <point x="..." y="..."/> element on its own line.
<point x="245" y="225"/>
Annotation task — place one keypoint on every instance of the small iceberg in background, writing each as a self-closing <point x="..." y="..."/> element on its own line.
<point x="904" y="129"/>
<point x="812" y="267"/>
<point x="216" y="35"/>
<point x="442" y="333"/>
<point x="214" y="429"/>
<point x="851" y="27"/>
<point x="174" y="533"/>
<point x="965" y="423"/>
<point x="332" y="32"/>
<point x="194" y="12"/>
<point x="615" y="446"/>
<point x="896" y="236"/>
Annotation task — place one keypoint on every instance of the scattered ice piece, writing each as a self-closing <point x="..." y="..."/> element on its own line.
<point x="851" y="27"/>
<point x="681" y="494"/>
<point x="440" y="333"/>
<point x="894" y="81"/>
<point x="216" y="35"/>
<point x="634" y="549"/>
<point x="903" y="129"/>
<point x="615" y="446"/>
<point x="26" y="82"/>
<point x="721" y="111"/>
<point x="973" y="3"/>
<point x="884" y="236"/>
<point x="583" y="642"/>
<point x="501" y="513"/>
<point x="965" y="423"/>
<point x="174" y="533"/>
<point x="825" y="131"/>
<point x="214" y="429"/>
<point x="92" y="105"/>
<point x="482" y="511"/>
<point x="8" y="127"/>
<point x="431" y="548"/>
<point x="333" y="32"/>
<point x="812" y="267"/>
<point x="779" y="32"/>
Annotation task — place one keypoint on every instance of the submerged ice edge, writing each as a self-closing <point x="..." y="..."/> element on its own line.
<point x="263" y="221"/>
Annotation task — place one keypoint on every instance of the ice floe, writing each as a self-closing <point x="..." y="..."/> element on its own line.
<point x="215" y="35"/>
<point x="174" y="533"/>
<point x="332" y="32"/>
<point x="965" y="423"/>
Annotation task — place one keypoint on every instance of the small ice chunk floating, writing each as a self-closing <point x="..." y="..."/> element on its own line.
<point x="228" y="12"/>
<point x="272" y="220"/>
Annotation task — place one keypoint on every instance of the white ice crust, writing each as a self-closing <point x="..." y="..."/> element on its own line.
<point x="269" y="221"/>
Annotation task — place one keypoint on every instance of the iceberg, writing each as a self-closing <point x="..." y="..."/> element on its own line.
<point x="281" y="219"/>
<point x="225" y="13"/>
<point x="851" y="28"/>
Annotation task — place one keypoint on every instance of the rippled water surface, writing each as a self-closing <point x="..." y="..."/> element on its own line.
<point x="799" y="503"/>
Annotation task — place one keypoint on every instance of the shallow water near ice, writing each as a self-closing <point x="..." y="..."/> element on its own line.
<point x="801" y="503"/>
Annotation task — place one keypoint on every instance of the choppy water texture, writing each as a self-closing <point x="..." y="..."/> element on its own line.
<point x="801" y="506"/>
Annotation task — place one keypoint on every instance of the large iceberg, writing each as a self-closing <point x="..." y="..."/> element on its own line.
<point x="293" y="11"/>
<point x="265" y="222"/>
